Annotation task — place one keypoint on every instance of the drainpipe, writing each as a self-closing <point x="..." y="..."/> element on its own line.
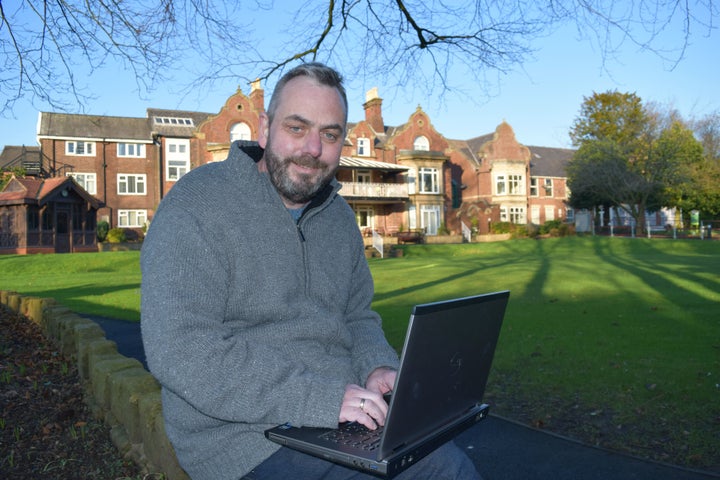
<point x="104" y="167"/>
<point x="161" y="182"/>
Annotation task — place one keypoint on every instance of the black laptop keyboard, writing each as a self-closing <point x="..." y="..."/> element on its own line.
<point x="354" y="435"/>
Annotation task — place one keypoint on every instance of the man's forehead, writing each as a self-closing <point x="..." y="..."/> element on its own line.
<point x="301" y="89"/>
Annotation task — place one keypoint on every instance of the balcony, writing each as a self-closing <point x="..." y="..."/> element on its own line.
<point x="374" y="191"/>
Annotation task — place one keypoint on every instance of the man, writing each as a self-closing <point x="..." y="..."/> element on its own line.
<point x="256" y="299"/>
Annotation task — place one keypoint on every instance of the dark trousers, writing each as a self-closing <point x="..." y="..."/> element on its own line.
<point x="446" y="463"/>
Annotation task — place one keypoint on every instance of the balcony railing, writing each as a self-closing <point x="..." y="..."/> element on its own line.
<point x="374" y="190"/>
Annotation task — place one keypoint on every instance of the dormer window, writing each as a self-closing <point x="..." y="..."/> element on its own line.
<point x="363" y="147"/>
<point x="421" y="143"/>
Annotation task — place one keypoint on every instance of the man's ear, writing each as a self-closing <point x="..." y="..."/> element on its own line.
<point x="264" y="129"/>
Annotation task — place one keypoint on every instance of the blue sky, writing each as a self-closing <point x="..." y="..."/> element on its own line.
<point x="539" y="99"/>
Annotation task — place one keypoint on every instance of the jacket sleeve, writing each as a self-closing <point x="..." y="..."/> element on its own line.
<point x="370" y="347"/>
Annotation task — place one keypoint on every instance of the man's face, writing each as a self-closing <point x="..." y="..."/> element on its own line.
<point x="304" y="142"/>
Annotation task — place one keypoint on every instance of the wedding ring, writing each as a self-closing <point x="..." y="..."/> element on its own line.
<point x="362" y="404"/>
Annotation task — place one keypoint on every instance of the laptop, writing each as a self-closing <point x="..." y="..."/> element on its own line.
<point x="444" y="367"/>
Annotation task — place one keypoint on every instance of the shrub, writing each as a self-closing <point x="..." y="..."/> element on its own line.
<point x="502" y="227"/>
<point x="116" y="235"/>
<point x="102" y="230"/>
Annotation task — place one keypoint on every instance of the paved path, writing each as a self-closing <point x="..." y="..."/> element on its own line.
<point x="501" y="449"/>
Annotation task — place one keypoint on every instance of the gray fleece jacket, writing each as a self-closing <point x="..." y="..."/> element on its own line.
<point x="250" y="319"/>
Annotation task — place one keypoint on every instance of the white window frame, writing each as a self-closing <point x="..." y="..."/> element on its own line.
<point x="429" y="180"/>
<point x="131" y="150"/>
<point x="534" y="192"/>
<point x="363" y="176"/>
<point x="549" y="213"/>
<point x="535" y="214"/>
<point x="548" y="186"/>
<point x="516" y="184"/>
<point x="513" y="215"/>
<point x="366" y="212"/>
<point x="174" y="121"/>
<point x="132" y="218"/>
<point x="86" y="149"/>
<point x="87" y="181"/>
<point x="430" y="218"/>
<point x="240" y="131"/>
<point x="363" y="147"/>
<point x="177" y="158"/>
<point x="132" y="184"/>
<point x="500" y="185"/>
<point x="412" y="217"/>
<point x="421" y="144"/>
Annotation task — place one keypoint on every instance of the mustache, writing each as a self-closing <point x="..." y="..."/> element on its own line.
<point x="307" y="161"/>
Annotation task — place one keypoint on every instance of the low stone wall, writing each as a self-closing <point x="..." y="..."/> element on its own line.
<point x="118" y="389"/>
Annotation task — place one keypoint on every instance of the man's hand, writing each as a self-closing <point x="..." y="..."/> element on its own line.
<point x="381" y="380"/>
<point x="366" y="406"/>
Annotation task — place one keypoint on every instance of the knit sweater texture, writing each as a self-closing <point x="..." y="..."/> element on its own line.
<point x="250" y="319"/>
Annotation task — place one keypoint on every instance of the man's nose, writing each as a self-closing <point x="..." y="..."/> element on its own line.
<point x="313" y="144"/>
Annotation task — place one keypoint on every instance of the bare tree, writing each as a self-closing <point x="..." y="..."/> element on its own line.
<point x="50" y="47"/>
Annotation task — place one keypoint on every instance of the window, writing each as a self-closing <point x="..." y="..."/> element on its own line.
<point x="86" y="149"/>
<point x="412" y="180"/>
<point x="174" y="121"/>
<point x="88" y="181"/>
<point x="131" y="184"/>
<point x="412" y="217"/>
<point x="421" y="143"/>
<point x="429" y="182"/>
<point x="240" y="131"/>
<point x="136" y="150"/>
<point x="364" y="176"/>
<point x="430" y="218"/>
<point x="548" y="186"/>
<point x="33" y="218"/>
<point x="533" y="187"/>
<point x="177" y="153"/>
<point x="570" y="215"/>
<point x="364" y="217"/>
<point x="363" y="147"/>
<point x="509" y="185"/>
<point x="512" y="215"/>
<point x="500" y="185"/>
<point x="132" y="218"/>
<point x="549" y="213"/>
<point x="535" y="214"/>
<point x="516" y="185"/>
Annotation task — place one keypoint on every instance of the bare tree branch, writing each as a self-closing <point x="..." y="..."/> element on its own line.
<point x="50" y="48"/>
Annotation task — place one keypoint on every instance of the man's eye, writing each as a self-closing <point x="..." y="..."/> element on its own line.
<point x="330" y="137"/>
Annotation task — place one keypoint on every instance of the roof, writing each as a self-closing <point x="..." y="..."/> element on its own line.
<point x="549" y="162"/>
<point x="29" y="190"/>
<point x="92" y="127"/>
<point x="355" y="162"/>
<point x="14" y="156"/>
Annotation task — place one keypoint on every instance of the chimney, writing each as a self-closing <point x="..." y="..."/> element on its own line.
<point x="373" y="110"/>
<point x="257" y="96"/>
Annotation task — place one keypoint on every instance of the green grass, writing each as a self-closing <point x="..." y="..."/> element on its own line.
<point x="615" y="341"/>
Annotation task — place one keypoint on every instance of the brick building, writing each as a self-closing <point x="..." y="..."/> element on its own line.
<point x="403" y="177"/>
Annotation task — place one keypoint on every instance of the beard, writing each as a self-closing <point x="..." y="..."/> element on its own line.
<point x="306" y="186"/>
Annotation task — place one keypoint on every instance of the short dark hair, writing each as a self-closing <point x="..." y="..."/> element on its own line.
<point x="319" y="72"/>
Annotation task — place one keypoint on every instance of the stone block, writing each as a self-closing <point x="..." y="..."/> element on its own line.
<point x="100" y="371"/>
<point x="126" y="388"/>
<point x="158" y="450"/>
<point x="92" y="349"/>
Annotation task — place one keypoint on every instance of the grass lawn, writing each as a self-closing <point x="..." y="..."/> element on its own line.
<point x="613" y="341"/>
